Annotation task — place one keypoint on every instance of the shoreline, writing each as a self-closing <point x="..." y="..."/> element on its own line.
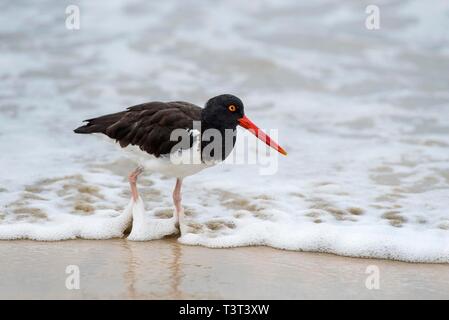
<point x="166" y="269"/>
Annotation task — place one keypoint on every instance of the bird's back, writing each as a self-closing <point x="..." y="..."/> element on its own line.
<point x="148" y="125"/>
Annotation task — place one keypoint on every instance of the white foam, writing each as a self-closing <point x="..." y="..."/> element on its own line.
<point x="93" y="227"/>
<point x="147" y="227"/>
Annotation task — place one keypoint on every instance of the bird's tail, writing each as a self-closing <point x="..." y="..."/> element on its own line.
<point x="100" y="124"/>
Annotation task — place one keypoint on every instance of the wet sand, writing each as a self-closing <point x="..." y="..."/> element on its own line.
<point x="165" y="269"/>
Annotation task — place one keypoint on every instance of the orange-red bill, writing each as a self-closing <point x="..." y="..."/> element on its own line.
<point x="249" y="125"/>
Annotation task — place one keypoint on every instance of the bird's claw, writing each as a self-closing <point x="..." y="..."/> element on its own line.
<point x="133" y="175"/>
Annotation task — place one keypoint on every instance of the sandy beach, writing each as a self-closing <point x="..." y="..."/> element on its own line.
<point x="165" y="269"/>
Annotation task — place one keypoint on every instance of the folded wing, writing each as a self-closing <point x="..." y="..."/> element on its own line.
<point x="147" y="125"/>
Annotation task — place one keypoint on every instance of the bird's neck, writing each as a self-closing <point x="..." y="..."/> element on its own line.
<point x="217" y="139"/>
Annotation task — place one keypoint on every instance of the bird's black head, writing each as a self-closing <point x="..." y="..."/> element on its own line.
<point x="223" y="112"/>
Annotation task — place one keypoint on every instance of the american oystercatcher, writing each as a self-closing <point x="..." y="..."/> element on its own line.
<point x="177" y="139"/>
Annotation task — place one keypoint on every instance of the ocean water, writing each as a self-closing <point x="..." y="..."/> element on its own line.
<point x="363" y="114"/>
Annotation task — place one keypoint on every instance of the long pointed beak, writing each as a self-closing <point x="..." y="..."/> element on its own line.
<point x="249" y="125"/>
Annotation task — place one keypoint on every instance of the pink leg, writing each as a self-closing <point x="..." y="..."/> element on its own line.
<point x="177" y="200"/>
<point x="133" y="180"/>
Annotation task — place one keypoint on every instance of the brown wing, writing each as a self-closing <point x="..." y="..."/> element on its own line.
<point x="147" y="125"/>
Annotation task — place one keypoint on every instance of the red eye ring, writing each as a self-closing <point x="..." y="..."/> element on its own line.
<point x="232" y="108"/>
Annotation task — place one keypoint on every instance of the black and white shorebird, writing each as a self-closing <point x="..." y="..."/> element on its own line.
<point x="162" y="135"/>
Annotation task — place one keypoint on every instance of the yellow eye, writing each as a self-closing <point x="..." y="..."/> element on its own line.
<point x="232" y="108"/>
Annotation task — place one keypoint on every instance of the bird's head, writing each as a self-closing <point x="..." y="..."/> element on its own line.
<point x="224" y="110"/>
<point x="227" y="111"/>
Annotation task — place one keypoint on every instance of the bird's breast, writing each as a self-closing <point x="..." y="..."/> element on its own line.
<point x="179" y="163"/>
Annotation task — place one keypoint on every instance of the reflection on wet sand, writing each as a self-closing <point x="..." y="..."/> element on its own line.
<point x="176" y="271"/>
<point x="130" y="273"/>
<point x="137" y="265"/>
<point x="166" y="269"/>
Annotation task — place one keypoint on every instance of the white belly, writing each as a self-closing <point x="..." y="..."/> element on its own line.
<point x="178" y="165"/>
<point x="174" y="165"/>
